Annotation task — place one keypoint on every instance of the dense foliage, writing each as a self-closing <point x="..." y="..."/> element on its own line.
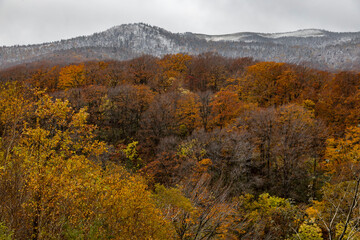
<point x="182" y="147"/>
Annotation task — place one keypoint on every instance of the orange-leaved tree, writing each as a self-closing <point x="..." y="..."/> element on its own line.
<point x="225" y="107"/>
<point x="72" y="76"/>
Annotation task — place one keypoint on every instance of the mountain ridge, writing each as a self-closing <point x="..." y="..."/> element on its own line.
<point x="315" y="47"/>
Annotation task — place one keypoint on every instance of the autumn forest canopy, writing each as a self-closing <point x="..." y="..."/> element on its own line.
<point x="179" y="147"/>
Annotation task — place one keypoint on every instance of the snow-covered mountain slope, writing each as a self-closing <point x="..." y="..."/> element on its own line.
<point x="247" y="36"/>
<point x="323" y="49"/>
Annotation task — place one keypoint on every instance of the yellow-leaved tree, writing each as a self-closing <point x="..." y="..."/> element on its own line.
<point x="338" y="213"/>
<point x="67" y="189"/>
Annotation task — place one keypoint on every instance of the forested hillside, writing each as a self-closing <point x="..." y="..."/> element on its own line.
<point x="179" y="147"/>
<point x="316" y="48"/>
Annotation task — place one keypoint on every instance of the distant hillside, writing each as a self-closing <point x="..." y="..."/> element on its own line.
<point x="317" y="48"/>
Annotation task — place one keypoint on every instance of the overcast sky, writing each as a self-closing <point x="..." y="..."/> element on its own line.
<point x="37" y="21"/>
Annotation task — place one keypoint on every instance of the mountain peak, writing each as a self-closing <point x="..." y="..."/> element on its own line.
<point x="134" y="27"/>
<point x="128" y="25"/>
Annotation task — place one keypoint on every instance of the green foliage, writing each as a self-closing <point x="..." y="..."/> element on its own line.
<point x="265" y="217"/>
<point x="133" y="161"/>
<point x="77" y="232"/>
<point x="5" y="233"/>
<point x="308" y="231"/>
<point x="309" y="105"/>
<point x="172" y="198"/>
<point x="191" y="150"/>
<point x="352" y="230"/>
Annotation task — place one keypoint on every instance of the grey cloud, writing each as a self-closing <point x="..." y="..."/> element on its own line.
<point x="35" y="21"/>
